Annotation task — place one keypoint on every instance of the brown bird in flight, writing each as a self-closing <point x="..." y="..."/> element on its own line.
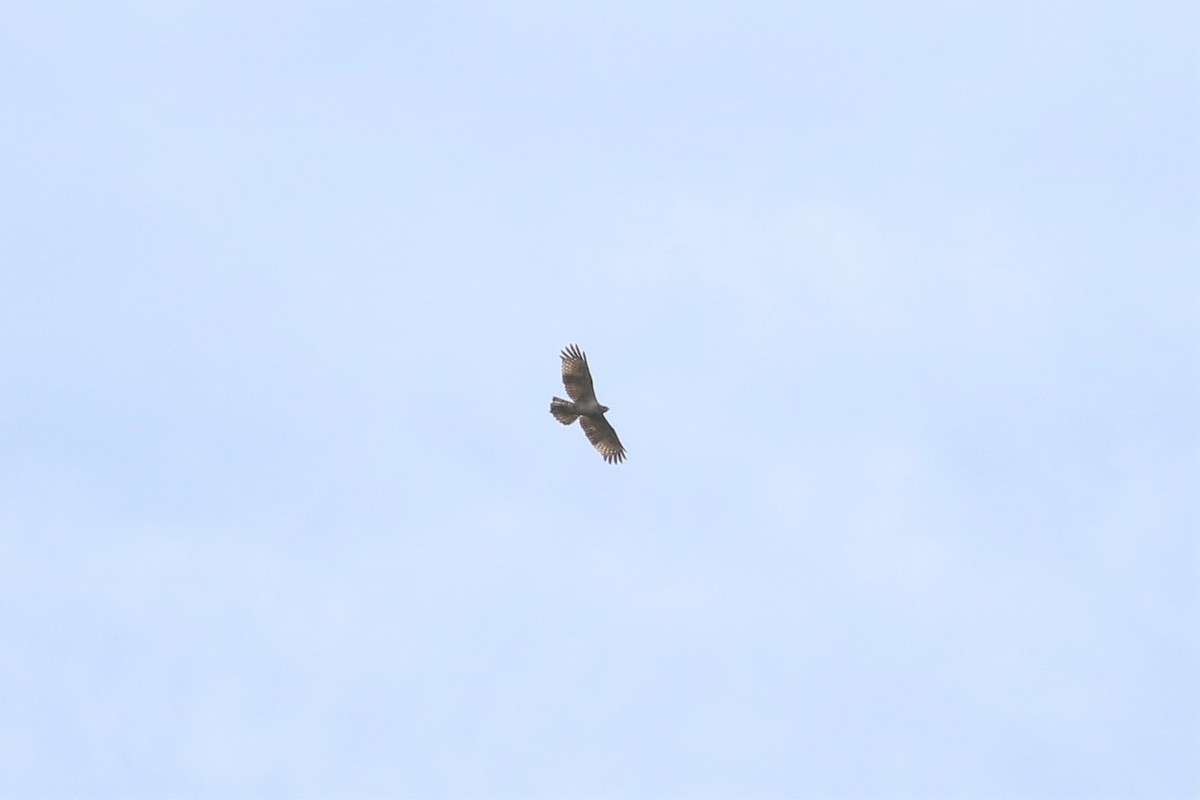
<point x="577" y="379"/>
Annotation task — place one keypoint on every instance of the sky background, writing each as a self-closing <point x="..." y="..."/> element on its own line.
<point x="896" y="306"/>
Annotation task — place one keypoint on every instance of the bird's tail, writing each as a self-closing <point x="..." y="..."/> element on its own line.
<point x="563" y="410"/>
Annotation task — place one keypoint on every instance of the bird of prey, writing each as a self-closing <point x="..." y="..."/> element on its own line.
<point x="577" y="379"/>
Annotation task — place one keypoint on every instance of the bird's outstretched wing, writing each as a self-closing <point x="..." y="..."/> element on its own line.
<point x="576" y="377"/>
<point x="603" y="438"/>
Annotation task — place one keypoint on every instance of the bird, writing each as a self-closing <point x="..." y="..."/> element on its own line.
<point x="577" y="379"/>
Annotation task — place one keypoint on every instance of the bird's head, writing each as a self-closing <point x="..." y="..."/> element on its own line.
<point x="603" y="409"/>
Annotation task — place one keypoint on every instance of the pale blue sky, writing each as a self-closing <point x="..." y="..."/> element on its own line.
<point x="895" y="305"/>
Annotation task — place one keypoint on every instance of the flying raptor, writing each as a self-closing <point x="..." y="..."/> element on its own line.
<point x="583" y="406"/>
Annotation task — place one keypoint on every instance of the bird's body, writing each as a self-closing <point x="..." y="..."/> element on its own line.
<point x="583" y="406"/>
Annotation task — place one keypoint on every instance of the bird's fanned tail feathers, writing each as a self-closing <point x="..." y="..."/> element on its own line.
<point x="563" y="410"/>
